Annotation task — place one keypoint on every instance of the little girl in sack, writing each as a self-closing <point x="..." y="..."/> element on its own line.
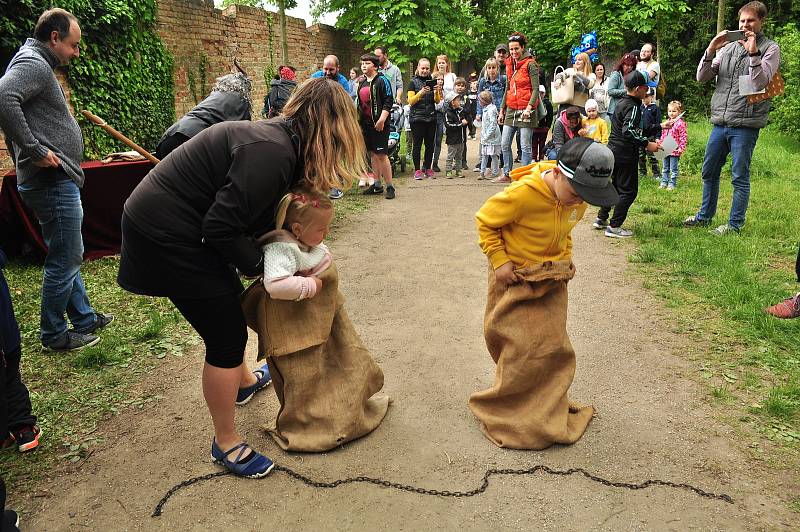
<point x="324" y="377"/>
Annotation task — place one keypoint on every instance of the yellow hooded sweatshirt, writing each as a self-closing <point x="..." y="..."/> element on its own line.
<point x="525" y="223"/>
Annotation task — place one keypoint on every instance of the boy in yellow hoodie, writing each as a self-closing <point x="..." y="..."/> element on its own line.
<point x="525" y="232"/>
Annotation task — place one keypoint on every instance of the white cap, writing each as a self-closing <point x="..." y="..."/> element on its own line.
<point x="590" y="104"/>
<point x="541" y="88"/>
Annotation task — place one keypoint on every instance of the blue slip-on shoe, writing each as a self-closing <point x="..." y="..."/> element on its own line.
<point x="256" y="467"/>
<point x="263" y="379"/>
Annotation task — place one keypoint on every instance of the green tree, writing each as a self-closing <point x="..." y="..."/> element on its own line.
<point x="409" y="28"/>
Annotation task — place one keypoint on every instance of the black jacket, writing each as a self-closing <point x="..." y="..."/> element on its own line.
<point x="217" y="107"/>
<point x="456" y="131"/>
<point x="425" y="109"/>
<point x="627" y="134"/>
<point x="652" y="121"/>
<point x="216" y="193"/>
<point x="380" y="96"/>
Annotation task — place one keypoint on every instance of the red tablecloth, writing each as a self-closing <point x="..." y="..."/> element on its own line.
<point x="105" y="190"/>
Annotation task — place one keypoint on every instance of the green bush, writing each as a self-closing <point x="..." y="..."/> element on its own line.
<point x="787" y="107"/>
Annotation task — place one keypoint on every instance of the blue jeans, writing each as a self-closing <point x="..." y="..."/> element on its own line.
<point x="669" y="172"/>
<point x="739" y="142"/>
<point x="56" y="203"/>
<point x="526" y="139"/>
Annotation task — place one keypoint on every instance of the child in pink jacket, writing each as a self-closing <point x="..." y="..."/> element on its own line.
<point x="676" y="127"/>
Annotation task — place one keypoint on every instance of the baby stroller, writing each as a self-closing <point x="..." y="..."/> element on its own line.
<point x="396" y="120"/>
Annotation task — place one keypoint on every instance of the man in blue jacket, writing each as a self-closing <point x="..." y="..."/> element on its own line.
<point x="330" y="70"/>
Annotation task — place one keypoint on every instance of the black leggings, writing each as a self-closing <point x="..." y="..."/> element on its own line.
<point x="220" y="323"/>
<point x="423" y="132"/>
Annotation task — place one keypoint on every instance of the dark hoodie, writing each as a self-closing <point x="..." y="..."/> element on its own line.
<point x="220" y="106"/>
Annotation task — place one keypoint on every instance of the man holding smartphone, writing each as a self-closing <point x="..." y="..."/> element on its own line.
<point x="741" y="68"/>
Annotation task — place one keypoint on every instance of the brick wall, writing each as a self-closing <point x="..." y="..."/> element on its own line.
<point x="191" y="27"/>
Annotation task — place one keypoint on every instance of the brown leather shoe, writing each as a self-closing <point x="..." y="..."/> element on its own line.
<point x="787" y="309"/>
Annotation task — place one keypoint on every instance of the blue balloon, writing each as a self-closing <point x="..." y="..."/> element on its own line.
<point x="588" y="42"/>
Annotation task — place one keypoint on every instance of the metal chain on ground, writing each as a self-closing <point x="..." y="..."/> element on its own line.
<point x="185" y="483"/>
<point x="445" y="493"/>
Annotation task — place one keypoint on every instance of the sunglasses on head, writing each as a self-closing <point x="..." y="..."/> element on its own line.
<point x="515" y="38"/>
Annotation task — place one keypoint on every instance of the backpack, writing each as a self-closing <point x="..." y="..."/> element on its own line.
<point x="661" y="89"/>
<point x="278" y="95"/>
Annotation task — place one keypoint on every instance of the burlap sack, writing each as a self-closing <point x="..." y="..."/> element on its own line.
<point x="525" y="327"/>
<point x="324" y="377"/>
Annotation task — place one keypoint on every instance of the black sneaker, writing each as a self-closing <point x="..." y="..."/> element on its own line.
<point x="373" y="189"/>
<point x="72" y="341"/>
<point x="27" y="437"/>
<point x="436" y="168"/>
<point x="10" y="521"/>
<point x="101" y="321"/>
<point x="389" y="192"/>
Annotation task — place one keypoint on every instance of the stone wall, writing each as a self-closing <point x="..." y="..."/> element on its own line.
<point x="190" y="28"/>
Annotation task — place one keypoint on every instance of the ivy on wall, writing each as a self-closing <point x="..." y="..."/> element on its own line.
<point x="124" y="73"/>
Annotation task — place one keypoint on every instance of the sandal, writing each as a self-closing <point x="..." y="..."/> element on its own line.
<point x="256" y="467"/>
<point x="263" y="379"/>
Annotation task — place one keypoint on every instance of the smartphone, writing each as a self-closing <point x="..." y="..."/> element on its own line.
<point x="431" y="83"/>
<point x="734" y="35"/>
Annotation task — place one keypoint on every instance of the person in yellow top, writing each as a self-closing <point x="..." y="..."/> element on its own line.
<point x="525" y="233"/>
<point x="592" y="126"/>
<point x="423" y="95"/>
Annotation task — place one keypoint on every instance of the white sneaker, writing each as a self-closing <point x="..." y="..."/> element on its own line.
<point x="362" y="182"/>
<point x="670" y="187"/>
<point x="662" y="185"/>
<point x="724" y="229"/>
<point x="618" y="232"/>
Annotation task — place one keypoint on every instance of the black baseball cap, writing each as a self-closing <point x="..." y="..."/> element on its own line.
<point x="588" y="166"/>
<point x="502" y="46"/>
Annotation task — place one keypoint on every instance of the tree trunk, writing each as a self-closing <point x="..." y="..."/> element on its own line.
<point x="284" y="39"/>
<point x="720" y="15"/>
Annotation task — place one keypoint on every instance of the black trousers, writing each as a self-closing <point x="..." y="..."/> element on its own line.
<point x="15" y="402"/>
<point x="423" y="132"/>
<point x="220" y="323"/>
<point x="626" y="181"/>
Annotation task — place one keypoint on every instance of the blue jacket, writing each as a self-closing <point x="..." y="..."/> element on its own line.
<point x="339" y="77"/>
<point x="496" y="87"/>
<point x="9" y="330"/>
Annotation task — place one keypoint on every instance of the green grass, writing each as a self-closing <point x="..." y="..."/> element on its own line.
<point x="719" y="286"/>
<point x="73" y="393"/>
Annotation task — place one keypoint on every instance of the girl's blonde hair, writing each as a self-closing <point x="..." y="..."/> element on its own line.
<point x="491" y="62"/>
<point x="421" y="59"/>
<point x="446" y="61"/>
<point x="299" y="205"/>
<point x="332" y="149"/>
<point x="486" y="98"/>
<point x="587" y="63"/>
<point x="677" y="104"/>
<point x="437" y="75"/>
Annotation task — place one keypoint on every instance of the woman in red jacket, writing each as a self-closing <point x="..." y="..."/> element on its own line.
<point x="518" y="112"/>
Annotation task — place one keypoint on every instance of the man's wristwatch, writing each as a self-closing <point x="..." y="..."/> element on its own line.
<point x="757" y="53"/>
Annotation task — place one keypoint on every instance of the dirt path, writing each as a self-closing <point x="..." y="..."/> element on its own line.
<point x="414" y="279"/>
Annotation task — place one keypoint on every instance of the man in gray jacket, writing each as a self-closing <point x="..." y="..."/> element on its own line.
<point x="47" y="146"/>
<point x="743" y="67"/>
